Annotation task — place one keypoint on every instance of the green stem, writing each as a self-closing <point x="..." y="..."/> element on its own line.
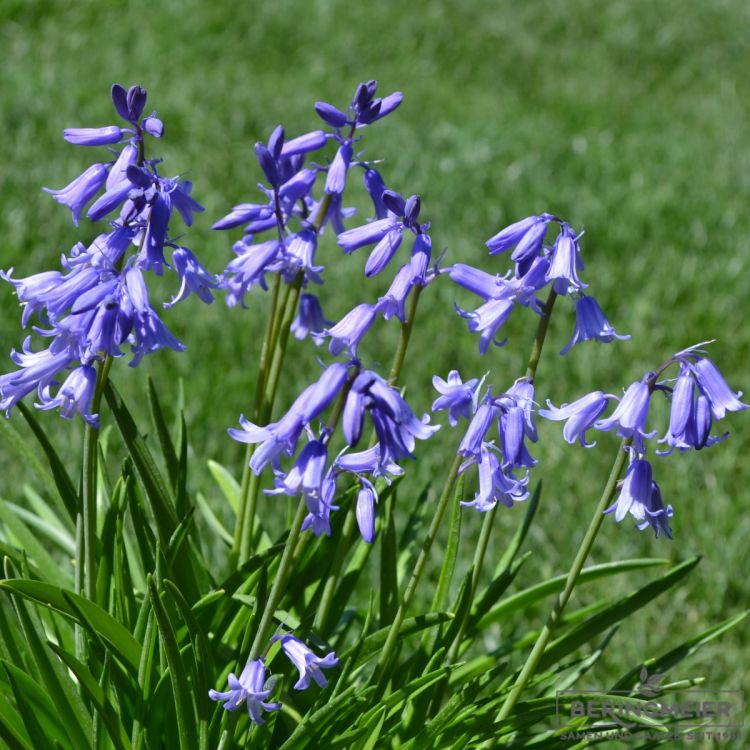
<point x="388" y="649"/>
<point x="279" y="582"/>
<point x="403" y="342"/>
<point x="90" y="450"/>
<point x="246" y="513"/>
<point x="347" y="532"/>
<point x="280" y="344"/>
<point x="527" y="672"/>
<point x="489" y="517"/>
<point x="541" y="335"/>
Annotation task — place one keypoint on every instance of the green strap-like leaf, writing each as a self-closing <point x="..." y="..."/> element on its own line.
<point x="614" y="614"/>
<point x="522" y="599"/>
<point x="36" y="709"/>
<point x="156" y="488"/>
<point x="182" y="687"/>
<point x="66" y="490"/>
<point x="35" y="550"/>
<point x="162" y="432"/>
<point x="96" y="695"/>
<point x="100" y="623"/>
<point x="57" y="682"/>
<point x="372" y="645"/>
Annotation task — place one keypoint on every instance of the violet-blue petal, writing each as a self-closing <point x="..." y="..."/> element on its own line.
<point x="350" y="330"/>
<point x="336" y="177"/>
<point x="331" y="115"/>
<point x="591" y="324"/>
<point x="303" y="144"/>
<point x="93" y="136"/>
<point x="153" y="126"/>
<point x="242" y="214"/>
<point x="579" y="415"/>
<point x="374" y="231"/>
<point x="365" y="512"/>
<point x="711" y="382"/>
<point x="383" y="252"/>
<point x="79" y="192"/>
<point x="511" y="235"/>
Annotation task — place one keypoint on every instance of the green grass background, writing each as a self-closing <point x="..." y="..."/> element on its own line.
<point x="628" y="118"/>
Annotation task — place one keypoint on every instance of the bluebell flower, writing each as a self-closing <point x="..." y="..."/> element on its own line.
<point x="387" y="234"/>
<point x="396" y="425"/>
<point x="393" y="302"/>
<point x="350" y="330"/>
<point x="248" y="269"/>
<point x="630" y="415"/>
<point x="310" y="320"/>
<point x="93" y="136"/>
<point x="473" y="440"/>
<point x="367" y="461"/>
<point x="74" y="395"/>
<point x="365" y="108"/>
<point x="282" y="436"/>
<point x="656" y="515"/>
<point x="365" y="510"/>
<point x="307" y="473"/>
<point x="712" y="384"/>
<point x="319" y="506"/>
<point x="501" y="294"/>
<point x="337" y="171"/>
<point x="375" y="186"/>
<point x="641" y="497"/>
<point x="38" y="371"/>
<point x="79" y="192"/>
<point x="591" y="324"/>
<point x="565" y="262"/>
<point x="579" y="416"/>
<point x="635" y="493"/>
<point x="304" y="659"/>
<point x="481" y="283"/>
<point x="249" y="688"/>
<point x="244" y="213"/>
<point x="458" y="397"/>
<point x="527" y="234"/>
<point x="495" y="486"/>
<point x="299" y="257"/>
<point x="487" y="320"/>
<point x="690" y="416"/>
<point x="193" y="277"/>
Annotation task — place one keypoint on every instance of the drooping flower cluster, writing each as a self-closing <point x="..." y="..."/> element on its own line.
<point x="699" y="396"/>
<point x="288" y="209"/>
<point x="100" y="300"/>
<point x="537" y="265"/>
<point x="290" y="212"/>
<point x="363" y="393"/>
<point x="511" y="414"/>
<point x="253" y="688"/>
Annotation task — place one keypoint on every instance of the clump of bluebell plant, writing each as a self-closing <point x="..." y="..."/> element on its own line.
<point x="100" y="301"/>
<point x="342" y="443"/>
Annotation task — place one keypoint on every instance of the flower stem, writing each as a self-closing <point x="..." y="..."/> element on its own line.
<point x="246" y="513"/>
<point x="386" y="654"/>
<point x="541" y="335"/>
<point x="279" y="582"/>
<point x="87" y="556"/>
<point x="403" y="342"/>
<point x="489" y="517"/>
<point x="527" y="672"/>
<point x="347" y="532"/>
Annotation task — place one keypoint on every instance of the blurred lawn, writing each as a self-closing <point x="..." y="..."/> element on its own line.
<point x="627" y="118"/>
